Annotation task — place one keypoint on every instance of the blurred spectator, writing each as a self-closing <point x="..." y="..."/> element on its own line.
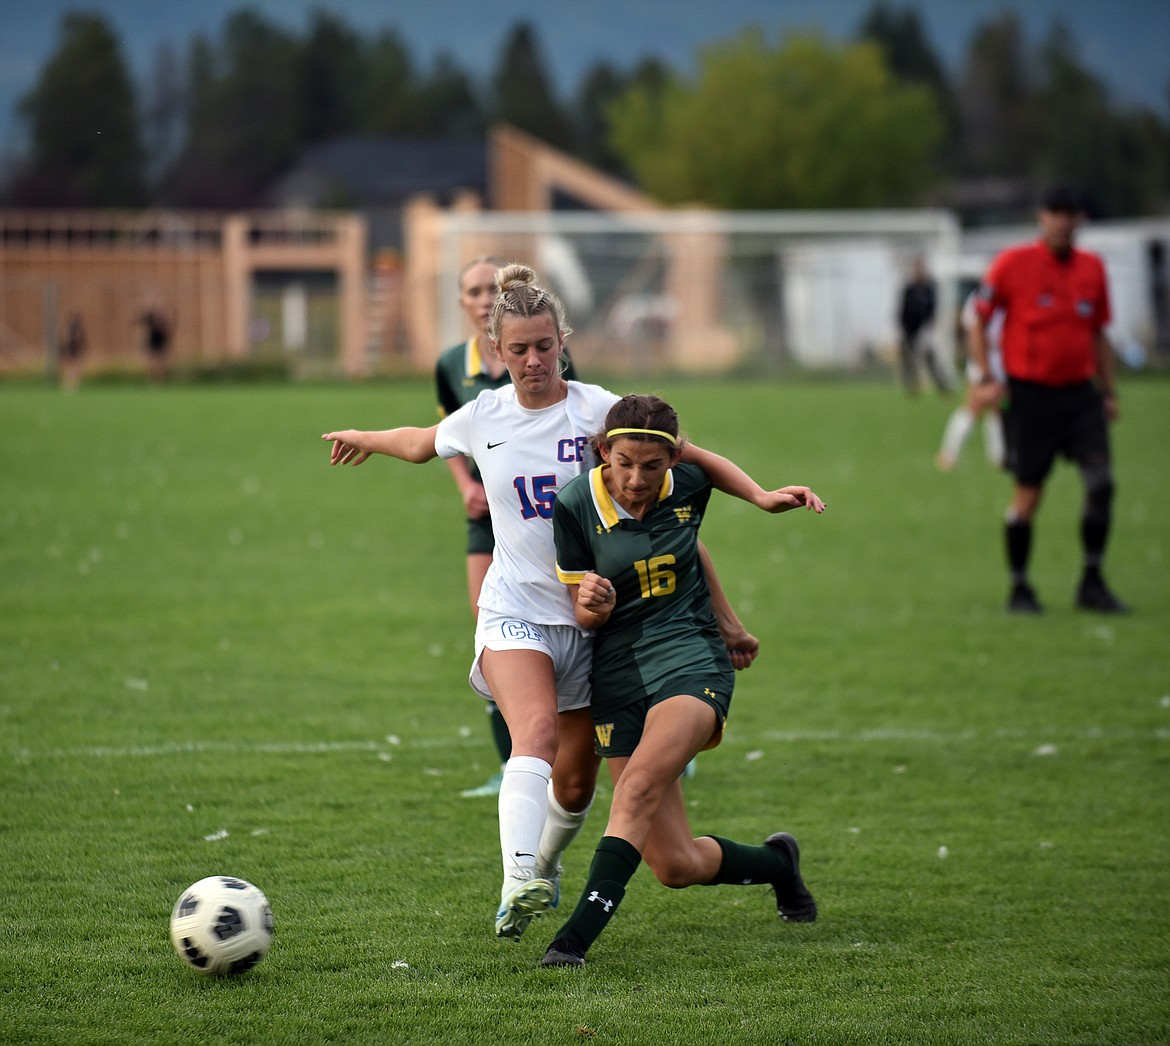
<point x="160" y="326"/>
<point x="916" y="319"/>
<point x="72" y="353"/>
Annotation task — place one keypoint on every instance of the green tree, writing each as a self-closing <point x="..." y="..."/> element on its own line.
<point x="994" y="94"/>
<point x="1119" y="159"/>
<point x="448" y="103"/>
<point x="600" y="88"/>
<point x="163" y="111"/>
<point x="244" y="115"/>
<point x="523" y="95"/>
<point x="333" y="78"/>
<point x="912" y="58"/>
<point x="804" y="124"/>
<point x="85" y="138"/>
<point x="390" y="105"/>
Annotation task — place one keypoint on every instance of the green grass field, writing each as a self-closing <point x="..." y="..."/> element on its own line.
<point x="221" y="656"/>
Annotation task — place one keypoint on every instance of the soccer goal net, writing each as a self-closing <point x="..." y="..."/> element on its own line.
<point x="719" y="291"/>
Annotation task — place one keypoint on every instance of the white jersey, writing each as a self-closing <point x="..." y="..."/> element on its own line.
<point x="525" y="457"/>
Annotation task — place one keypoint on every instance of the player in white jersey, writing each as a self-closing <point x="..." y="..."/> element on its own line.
<point x="977" y="404"/>
<point x="526" y="453"/>
<point x="529" y="439"/>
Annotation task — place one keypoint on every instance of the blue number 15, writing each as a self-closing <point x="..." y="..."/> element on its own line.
<point x="541" y="502"/>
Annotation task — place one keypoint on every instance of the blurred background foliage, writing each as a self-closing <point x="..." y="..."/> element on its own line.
<point x="794" y="122"/>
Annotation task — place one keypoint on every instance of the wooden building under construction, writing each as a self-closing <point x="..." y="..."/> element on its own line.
<point x="295" y="283"/>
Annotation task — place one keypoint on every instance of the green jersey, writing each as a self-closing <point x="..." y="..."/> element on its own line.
<point x="662" y="627"/>
<point x="460" y="376"/>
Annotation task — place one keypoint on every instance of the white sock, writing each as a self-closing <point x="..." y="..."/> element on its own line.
<point x="560" y="829"/>
<point x="523" y="809"/>
<point x="993" y="438"/>
<point x="955" y="434"/>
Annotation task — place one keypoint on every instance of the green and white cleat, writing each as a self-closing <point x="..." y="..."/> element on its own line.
<point x="552" y="875"/>
<point x="529" y="900"/>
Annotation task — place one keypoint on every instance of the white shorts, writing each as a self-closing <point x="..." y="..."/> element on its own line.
<point x="570" y="652"/>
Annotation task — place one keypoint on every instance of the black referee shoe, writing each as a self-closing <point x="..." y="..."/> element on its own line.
<point x="793" y="901"/>
<point x="1093" y="594"/>
<point x="564" y="951"/>
<point x="1022" y="600"/>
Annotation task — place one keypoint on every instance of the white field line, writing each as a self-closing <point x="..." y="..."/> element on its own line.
<point x="927" y="737"/>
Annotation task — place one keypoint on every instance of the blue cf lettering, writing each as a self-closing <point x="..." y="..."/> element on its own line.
<point x="572" y="449"/>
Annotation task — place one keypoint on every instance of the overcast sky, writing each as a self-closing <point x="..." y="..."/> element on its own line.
<point x="1126" y="42"/>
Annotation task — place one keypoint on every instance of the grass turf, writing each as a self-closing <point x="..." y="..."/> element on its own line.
<point x="221" y="656"/>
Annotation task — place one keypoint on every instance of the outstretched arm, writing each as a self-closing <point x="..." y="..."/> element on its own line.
<point x="731" y="479"/>
<point x="409" y="444"/>
<point x="742" y="646"/>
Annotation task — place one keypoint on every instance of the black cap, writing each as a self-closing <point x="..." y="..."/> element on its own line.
<point x="1063" y="198"/>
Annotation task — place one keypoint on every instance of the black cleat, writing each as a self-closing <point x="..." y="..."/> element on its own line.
<point x="1022" y="600"/>
<point x="793" y="901"/>
<point x="564" y="951"/>
<point x="1092" y="594"/>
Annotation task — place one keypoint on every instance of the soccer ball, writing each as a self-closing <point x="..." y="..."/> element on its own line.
<point x="222" y="925"/>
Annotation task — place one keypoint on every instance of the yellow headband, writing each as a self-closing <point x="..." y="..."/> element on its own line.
<point x="643" y="432"/>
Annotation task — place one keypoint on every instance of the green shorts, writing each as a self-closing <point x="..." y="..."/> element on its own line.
<point x="618" y="731"/>
<point x="480" y="538"/>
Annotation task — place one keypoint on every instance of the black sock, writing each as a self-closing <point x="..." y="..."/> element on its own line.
<point x="1018" y="537"/>
<point x="614" y="862"/>
<point x="744" y="864"/>
<point x="1094" y="535"/>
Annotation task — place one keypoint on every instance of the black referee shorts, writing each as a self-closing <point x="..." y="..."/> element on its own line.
<point x="1042" y="421"/>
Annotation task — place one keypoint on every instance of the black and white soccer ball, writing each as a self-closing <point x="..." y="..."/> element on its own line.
<point x="222" y="925"/>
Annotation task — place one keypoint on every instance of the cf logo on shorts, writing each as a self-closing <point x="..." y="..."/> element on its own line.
<point x="604" y="733"/>
<point x="520" y="630"/>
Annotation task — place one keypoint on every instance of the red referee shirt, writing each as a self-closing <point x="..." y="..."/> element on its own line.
<point x="1052" y="308"/>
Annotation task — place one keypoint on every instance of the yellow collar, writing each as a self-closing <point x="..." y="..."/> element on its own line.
<point x="474" y="361"/>
<point x="607" y="509"/>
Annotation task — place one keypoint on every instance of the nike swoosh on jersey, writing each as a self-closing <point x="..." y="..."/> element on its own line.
<point x="492" y="446"/>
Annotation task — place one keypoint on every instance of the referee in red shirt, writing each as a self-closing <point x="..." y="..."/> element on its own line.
<point x="1060" y="390"/>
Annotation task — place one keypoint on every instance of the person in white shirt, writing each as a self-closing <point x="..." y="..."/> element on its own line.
<point x="529" y="439"/>
<point x="977" y="403"/>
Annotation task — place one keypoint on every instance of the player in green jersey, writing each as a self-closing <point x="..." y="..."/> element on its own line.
<point x="627" y="540"/>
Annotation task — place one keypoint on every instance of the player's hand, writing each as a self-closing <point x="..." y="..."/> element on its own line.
<point x="788" y="498"/>
<point x="986" y="395"/>
<point x="743" y="648"/>
<point x="475" y="501"/>
<point x="596" y="594"/>
<point x="346" y="447"/>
